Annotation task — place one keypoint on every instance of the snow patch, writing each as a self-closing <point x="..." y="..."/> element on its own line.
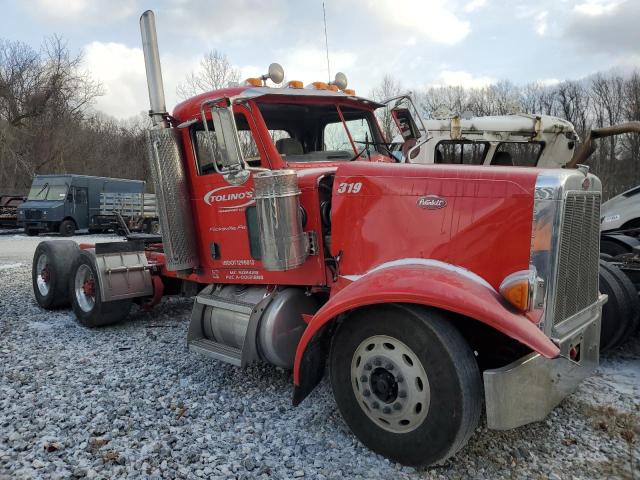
<point x="9" y="266"/>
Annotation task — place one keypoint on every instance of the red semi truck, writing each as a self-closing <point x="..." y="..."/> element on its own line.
<point x="429" y="291"/>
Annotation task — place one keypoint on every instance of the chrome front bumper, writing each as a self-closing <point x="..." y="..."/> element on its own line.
<point x="528" y="389"/>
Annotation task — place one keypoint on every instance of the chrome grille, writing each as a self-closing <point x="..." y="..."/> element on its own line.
<point x="577" y="275"/>
<point x="33" y="214"/>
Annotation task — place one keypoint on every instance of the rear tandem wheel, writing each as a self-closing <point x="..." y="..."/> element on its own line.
<point x="50" y="272"/>
<point x="86" y="298"/>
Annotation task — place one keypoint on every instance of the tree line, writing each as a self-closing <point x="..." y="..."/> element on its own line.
<point x="48" y="123"/>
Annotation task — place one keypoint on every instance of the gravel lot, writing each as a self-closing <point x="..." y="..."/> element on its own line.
<point x="131" y="401"/>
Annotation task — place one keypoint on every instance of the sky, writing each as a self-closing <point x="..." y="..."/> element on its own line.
<point x="419" y="42"/>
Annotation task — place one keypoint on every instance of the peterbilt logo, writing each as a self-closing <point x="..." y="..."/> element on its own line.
<point x="432" y="202"/>
<point x="229" y="197"/>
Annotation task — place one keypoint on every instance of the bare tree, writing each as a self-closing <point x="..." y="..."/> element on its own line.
<point x="389" y="87"/>
<point x="216" y="71"/>
<point x="42" y="94"/>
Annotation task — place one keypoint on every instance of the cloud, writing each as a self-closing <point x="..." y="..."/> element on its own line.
<point x="474" y="5"/>
<point x="221" y="19"/>
<point x="434" y="20"/>
<point x="461" y="78"/>
<point x="605" y="26"/>
<point x="309" y="64"/>
<point x="595" y="8"/>
<point x="87" y="11"/>
<point x="121" y="71"/>
<point x="541" y="23"/>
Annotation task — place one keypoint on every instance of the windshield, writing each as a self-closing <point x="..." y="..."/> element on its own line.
<point x="48" y="191"/>
<point x="308" y="133"/>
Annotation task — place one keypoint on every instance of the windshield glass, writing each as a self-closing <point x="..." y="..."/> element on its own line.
<point x="48" y="191"/>
<point x="310" y="133"/>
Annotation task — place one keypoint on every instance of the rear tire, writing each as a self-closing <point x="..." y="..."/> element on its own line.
<point x="632" y="302"/>
<point x="50" y="272"/>
<point x="86" y="299"/>
<point x="67" y="228"/>
<point x="406" y="383"/>
<point x="613" y="312"/>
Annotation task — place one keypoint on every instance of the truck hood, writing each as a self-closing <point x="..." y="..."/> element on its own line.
<point x="41" y="204"/>
<point x="619" y="210"/>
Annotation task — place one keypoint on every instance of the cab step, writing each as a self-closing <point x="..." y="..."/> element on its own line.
<point x="216" y="350"/>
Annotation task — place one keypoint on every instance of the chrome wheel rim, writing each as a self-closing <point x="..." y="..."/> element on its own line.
<point x="390" y="384"/>
<point x="42" y="269"/>
<point x="83" y="282"/>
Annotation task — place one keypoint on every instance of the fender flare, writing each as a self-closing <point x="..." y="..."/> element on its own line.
<point x="429" y="283"/>
<point x="622" y="239"/>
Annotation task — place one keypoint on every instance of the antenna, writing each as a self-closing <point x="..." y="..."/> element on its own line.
<point x="326" y="40"/>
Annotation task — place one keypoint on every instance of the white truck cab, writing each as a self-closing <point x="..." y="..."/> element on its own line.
<point x="511" y="140"/>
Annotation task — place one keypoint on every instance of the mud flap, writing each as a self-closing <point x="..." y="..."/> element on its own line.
<point x="312" y="366"/>
<point x="123" y="271"/>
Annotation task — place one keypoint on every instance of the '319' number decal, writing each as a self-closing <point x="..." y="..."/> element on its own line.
<point x="350" y="187"/>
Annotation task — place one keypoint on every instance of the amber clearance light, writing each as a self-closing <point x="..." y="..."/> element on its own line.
<point x="520" y="289"/>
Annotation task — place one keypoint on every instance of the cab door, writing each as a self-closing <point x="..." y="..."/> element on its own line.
<point x="224" y="210"/>
<point x="77" y="207"/>
<point x="407" y="119"/>
<point x="81" y="206"/>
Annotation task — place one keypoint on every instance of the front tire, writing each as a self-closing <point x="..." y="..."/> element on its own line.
<point x="67" y="228"/>
<point x="86" y="299"/>
<point x="406" y="383"/>
<point x="50" y="271"/>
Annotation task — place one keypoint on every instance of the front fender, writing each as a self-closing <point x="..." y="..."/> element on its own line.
<point x="438" y="285"/>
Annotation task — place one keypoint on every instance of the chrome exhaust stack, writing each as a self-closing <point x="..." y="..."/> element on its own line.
<point x="165" y="153"/>
<point x="158" y="110"/>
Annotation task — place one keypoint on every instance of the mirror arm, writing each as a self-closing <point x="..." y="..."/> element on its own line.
<point x="206" y="127"/>
<point x="418" y="144"/>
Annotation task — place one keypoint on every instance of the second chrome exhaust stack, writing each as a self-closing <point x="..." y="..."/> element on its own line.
<point x="158" y="110"/>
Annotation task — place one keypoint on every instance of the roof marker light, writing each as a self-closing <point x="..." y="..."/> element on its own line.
<point x="349" y="91"/>
<point x="294" y="84"/>
<point x="275" y="74"/>
<point x="318" y="86"/>
<point x="253" y="82"/>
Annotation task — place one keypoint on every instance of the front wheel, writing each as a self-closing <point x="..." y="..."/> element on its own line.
<point x="67" y="228"/>
<point x="406" y="383"/>
<point x="86" y="298"/>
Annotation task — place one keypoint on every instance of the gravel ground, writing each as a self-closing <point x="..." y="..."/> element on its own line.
<point x="131" y="401"/>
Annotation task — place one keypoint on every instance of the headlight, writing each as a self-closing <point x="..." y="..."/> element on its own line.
<point x="523" y="290"/>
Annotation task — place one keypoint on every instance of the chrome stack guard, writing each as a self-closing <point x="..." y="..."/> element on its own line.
<point x="528" y="389"/>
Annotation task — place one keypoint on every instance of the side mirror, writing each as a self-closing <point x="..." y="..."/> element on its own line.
<point x="233" y="166"/>
<point x="406" y="124"/>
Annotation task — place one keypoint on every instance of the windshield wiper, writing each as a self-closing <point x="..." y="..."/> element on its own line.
<point x="45" y="186"/>
<point x="386" y="145"/>
<point x="359" y="154"/>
